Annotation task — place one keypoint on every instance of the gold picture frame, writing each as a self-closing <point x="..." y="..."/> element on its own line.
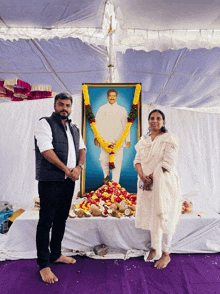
<point x="92" y="175"/>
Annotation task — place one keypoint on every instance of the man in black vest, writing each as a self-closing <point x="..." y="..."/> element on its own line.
<point x="60" y="155"/>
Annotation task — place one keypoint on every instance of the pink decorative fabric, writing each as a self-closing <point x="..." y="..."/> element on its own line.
<point x="18" y="90"/>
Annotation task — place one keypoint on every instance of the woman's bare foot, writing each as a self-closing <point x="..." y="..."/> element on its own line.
<point x="48" y="276"/>
<point x="152" y="254"/>
<point x="163" y="261"/>
<point x="66" y="259"/>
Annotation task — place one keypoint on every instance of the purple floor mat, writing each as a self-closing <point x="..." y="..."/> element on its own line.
<point x="186" y="274"/>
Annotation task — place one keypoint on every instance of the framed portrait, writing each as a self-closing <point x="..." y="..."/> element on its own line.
<point x="108" y="116"/>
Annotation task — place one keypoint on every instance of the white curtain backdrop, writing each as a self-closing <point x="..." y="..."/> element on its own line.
<point x="199" y="143"/>
<point x="17" y="161"/>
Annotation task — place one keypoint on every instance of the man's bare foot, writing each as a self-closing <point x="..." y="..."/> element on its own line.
<point x="152" y="254"/>
<point x="66" y="259"/>
<point x="48" y="276"/>
<point x="163" y="261"/>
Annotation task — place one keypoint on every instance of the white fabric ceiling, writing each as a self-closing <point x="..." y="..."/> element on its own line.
<point x="178" y="78"/>
<point x="169" y="14"/>
<point x="139" y="14"/>
<point x="52" y="14"/>
<point x="63" y="64"/>
<point x="65" y="43"/>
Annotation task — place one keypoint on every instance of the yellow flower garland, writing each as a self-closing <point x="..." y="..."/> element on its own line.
<point x="104" y="143"/>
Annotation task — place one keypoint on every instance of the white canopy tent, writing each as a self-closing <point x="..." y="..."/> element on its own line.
<point x="171" y="47"/>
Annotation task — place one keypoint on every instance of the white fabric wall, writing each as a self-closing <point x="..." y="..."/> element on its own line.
<point x="198" y="163"/>
<point x="17" y="161"/>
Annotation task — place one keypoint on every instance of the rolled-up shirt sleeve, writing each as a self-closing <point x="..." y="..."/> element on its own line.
<point x="170" y="157"/>
<point x="81" y="143"/>
<point x="43" y="134"/>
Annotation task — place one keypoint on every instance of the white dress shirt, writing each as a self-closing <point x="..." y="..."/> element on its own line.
<point x="43" y="134"/>
<point x="111" y="120"/>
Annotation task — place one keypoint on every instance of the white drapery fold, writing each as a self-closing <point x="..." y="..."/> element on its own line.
<point x="87" y="35"/>
<point x="164" y="40"/>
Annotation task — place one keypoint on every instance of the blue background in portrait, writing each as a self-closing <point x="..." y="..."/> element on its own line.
<point x="93" y="171"/>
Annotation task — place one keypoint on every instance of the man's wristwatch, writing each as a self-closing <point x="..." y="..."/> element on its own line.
<point x="81" y="165"/>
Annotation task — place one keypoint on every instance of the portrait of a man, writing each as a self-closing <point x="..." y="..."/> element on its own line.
<point x="111" y="105"/>
<point x="111" y="120"/>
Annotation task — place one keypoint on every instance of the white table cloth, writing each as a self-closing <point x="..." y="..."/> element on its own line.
<point x="198" y="232"/>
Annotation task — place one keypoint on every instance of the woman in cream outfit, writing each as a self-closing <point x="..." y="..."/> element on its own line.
<point x="159" y="200"/>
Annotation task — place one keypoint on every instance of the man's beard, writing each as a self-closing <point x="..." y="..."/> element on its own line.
<point x="64" y="116"/>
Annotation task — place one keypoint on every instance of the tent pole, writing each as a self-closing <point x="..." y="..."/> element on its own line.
<point x="111" y="62"/>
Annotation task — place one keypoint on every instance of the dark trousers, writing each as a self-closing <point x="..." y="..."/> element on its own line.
<point x="55" y="202"/>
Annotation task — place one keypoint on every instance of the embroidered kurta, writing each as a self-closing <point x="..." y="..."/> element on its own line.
<point x="158" y="210"/>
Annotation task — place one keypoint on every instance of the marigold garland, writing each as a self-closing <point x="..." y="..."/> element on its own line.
<point x="108" y="146"/>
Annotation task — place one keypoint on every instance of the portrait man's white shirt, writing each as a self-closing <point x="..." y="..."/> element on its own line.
<point x="111" y="120"/>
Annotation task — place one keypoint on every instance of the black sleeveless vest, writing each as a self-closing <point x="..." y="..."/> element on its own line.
<point x="46" y="171"/>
